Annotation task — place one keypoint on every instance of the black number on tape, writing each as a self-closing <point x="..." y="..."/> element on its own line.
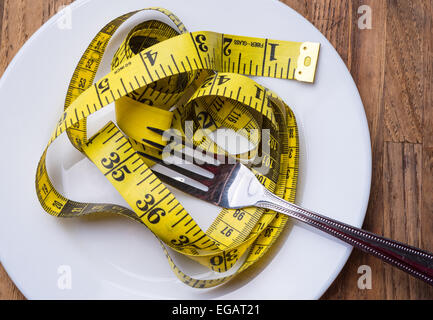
<point x="205" y="120"/>
<point x="227" y="43"/>
<point x="151" y="56"/>
<point x="104" y="86"/>
<point x="144" y="205"/>
<point x="119" y="174"/>
<point x="155" y="215"/>
<point x="201" y="38"/>
<point x="111" y="161"/>
<point x="181" y="241"/>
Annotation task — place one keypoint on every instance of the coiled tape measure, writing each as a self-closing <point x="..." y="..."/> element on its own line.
<point x="162" y="77"/>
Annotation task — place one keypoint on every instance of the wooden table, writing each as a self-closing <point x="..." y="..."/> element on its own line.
<point x="391" y="64"/>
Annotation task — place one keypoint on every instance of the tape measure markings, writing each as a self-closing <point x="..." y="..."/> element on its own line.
<point x="233" y="232"/>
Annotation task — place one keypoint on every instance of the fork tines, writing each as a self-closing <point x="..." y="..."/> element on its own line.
<point x="192" y="168"/>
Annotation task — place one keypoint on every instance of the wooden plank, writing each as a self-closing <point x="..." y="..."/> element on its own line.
<point x="367" y="68"/>
<point x="404" y="76"/>
<point x="402" y="212"/>
<point x="426" y="216"/>
<point x="331" y="18"/>
<point x="427" y="59"/>
<point x="2" y="4"/>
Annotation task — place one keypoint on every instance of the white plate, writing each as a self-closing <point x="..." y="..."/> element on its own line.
<point x="116" y="258"/>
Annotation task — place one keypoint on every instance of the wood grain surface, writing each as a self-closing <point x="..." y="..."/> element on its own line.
<point x="391" y="64"/>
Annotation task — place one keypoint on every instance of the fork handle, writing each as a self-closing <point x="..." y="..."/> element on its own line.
<point x="414" y="261"/>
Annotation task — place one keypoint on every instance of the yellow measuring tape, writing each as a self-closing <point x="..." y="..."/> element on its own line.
<point x="161" y="78"/>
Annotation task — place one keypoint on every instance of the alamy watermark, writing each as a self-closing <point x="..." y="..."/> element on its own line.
<point x="365" y="20"/>
<point x="365" y="280"/>
<point x="258" y="152"/>
<point x="64" y="280"/>
<point x="65" y="20"/>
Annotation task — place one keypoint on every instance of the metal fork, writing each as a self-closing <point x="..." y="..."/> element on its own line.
<point x="234" y="186"/>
